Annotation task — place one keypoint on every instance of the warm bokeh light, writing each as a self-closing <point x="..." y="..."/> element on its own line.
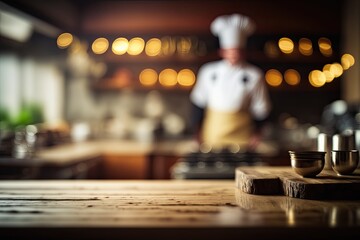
<point x="347" y="61"/>
<point x="64" y="40"/>
<point x="328" y="74"/>
<point x="186" y="78"/>
<point x="292" y="77"/>
<point x="324" y="43"/>
<point x="336" y="69"/>
<point x="168" y="46"/>
<point x="327" y="67"/>
<point x="317" y="78"/>
<point x="273" y="77"/>
<point x="184" y="45"/>
<point x="153" y="47"/>
<point x="271" y="49"/>
<point x="77" y="46"/>
<point x="168" y="77"/>
<point x="100" y="45"/>
<point x="148" y="77"/>
<point x="286" y="45"/>
<point x="327" y="53"/>
<point x="305" y="46"/>
<point x="136" y="46"/>
<point x="120" y="46"/>
<point x="325" y="46"/>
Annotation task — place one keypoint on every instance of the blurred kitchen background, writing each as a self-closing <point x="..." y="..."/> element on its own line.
<point x="75" y="71"/>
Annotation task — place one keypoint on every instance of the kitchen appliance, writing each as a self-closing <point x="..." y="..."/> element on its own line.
<point x="214" y="164"/>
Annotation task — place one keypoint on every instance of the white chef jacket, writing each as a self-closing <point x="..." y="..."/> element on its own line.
<point x="223" y="87"/>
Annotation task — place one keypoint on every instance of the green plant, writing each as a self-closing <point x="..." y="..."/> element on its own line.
<point x="4" y="119"/>
<point x="28" y="114"/>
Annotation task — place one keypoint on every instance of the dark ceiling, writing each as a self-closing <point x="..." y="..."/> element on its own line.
<point x="183" y="16"/>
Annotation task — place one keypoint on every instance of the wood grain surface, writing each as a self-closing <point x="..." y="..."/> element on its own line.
<point x="283" y="180"/>
<point x="173" y="209"/>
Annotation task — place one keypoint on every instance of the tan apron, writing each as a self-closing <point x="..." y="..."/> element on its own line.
<point x="223" y="129"/>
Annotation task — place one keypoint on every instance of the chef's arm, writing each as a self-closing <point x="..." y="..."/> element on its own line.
<point x="197" y="119"/>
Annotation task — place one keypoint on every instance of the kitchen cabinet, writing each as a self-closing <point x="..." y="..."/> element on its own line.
<point x="155" y="164"/>
<point x="133" y="160"/>
<point x="125" y="166"/>
<point x="126" y="159"/>
<point x="161" y="164"/>
<point x="152" y="166"/>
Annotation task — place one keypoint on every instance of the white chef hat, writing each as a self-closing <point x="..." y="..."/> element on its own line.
<point x="232" y="30"/>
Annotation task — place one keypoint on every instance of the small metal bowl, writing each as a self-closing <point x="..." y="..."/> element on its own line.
<point x="307" y="164"/>
<point x="344" y="162"/>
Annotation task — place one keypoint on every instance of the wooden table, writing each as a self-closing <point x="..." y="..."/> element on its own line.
<point x="173" y="209"/>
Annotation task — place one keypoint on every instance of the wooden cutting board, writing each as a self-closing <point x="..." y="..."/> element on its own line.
<point x="269" y="180"/>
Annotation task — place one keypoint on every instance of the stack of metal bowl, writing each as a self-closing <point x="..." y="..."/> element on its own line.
<point x="307" y="163"/>
<point x="344" y="155"/>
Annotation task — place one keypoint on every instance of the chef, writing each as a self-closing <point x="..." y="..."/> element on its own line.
<point x="230" y="93"/>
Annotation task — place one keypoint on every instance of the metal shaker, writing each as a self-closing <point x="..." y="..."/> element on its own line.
<point x="324" y="144"/>
<point x="343" y="142"/>
<point x="346" y="141"/>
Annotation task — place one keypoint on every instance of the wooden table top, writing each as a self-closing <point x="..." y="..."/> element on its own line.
<point x="173" y="209"/>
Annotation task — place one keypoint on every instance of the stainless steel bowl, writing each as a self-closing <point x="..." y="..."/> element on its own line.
<point x="307" y="164"/>
<point x="344" y="162"/>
